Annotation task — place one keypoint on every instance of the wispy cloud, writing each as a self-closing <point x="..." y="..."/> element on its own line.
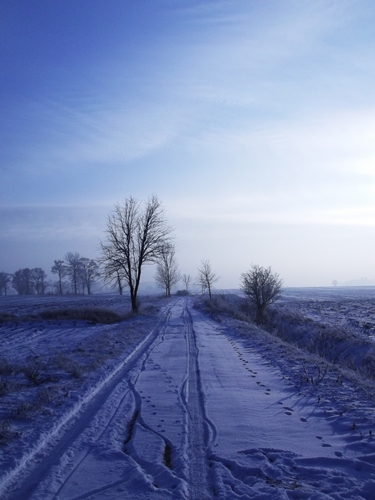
<point x="52" y="223"/>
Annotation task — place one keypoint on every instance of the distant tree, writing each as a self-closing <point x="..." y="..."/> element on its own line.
<point x="262" y="286"/>
<point x="186" y="280"/>
<point x="135" y="236"/>
<point x="22" y="281"/>
<point x="119" y="281"/>
<point x="60" y="269"/>
<point x="335" y="283"/>
<point x="89" y="273"/>
<point x="112" y="274"/>
<point x="73" y="267"/>
<point x="167" y="273"/>
<point x="206" y="277"/>
<point x="39" y="280"/>
<point x="5" y="281"/>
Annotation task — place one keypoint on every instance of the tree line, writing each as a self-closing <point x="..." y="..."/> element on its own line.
<point x="76" y="274"/>
<point x="137" y="234"/>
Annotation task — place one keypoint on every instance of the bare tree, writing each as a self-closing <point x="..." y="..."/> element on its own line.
<point x="167" y="273"/>
<point x="206" y="277"/>
<point x="60" y="269"/>
<point x="136" y="235"/>
<point x="5" y="280"/>
<point x="39" y="279"/>
<point x="112" y="274"/>
<point x="89" y="272"/>
<point x="186" y="280"/>
<point x="262" y="286"/>
<point x="73" y="266"/>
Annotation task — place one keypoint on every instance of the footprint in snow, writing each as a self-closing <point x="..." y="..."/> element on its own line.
<point x="288" y="413"/>
<point x="303" y="419"/>
<point x="338" y="454"/>
<point x="319" y="437"/>
<point x="326" y="445"/>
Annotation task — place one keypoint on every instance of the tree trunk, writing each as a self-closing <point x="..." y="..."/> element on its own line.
<point x="133" y="298"/>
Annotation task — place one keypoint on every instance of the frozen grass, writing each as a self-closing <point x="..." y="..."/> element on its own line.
<point x="228" y="305"/>
<point x="48" y="355"/>
<point x="340" y="346"/>
<point x="92" y="314"/>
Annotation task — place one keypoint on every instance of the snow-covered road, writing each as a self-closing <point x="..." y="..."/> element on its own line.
<point x="194" y="413"/>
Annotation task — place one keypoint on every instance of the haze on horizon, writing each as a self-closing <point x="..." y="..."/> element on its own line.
<point x="253" y="122"/>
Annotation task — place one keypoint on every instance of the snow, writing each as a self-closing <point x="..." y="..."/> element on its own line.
<point x="181" y="406"/>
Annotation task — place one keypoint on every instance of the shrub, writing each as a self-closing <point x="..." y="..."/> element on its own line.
<point x="4" y="317"/>
<point x="262" y="287"/>
<point x="93" y="314"/>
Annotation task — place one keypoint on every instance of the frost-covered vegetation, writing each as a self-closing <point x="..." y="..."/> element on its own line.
<point x="344" y="339"/>
<point x="144" y="389"/>
<point x="49" y="351"/>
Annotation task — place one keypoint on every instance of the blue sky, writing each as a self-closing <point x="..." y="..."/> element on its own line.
<point x="253" y="121"/>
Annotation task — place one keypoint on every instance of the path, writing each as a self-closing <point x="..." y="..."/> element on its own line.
<point x="192" y="414"/>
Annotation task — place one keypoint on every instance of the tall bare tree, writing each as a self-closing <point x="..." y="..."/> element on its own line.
<point x="206" y="277"/>
<point x="59" y="268"/>
<point x="136" y="234"/>
<point x="262" y="286"/>
<point x="167" y="273"/>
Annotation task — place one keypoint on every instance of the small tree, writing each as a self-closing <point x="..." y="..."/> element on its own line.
<point x="262" y="286"/>
<point x="112" y="275"/>
<point x="73" y="268"/>
<point x="89" y="272"/>
<point x="167" y="273"/>
<point x="186" y="280"/>
<point x="136" y="236"/>
<point x="39" y="278"/>
<point x="206" y="277"/>
<point x="59" y="268"/>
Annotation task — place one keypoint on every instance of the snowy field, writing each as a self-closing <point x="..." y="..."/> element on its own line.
<point x="172" y="404"/>
<point x="348" y="307"/>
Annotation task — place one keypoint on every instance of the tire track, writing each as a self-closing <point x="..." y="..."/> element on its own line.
<point x="52" y="447"/>
<point x="179" y="470"/>
<point x="201" y="430"/>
